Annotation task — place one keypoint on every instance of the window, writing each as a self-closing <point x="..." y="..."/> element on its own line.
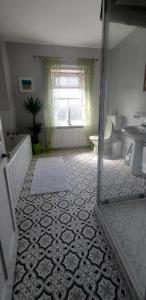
<point x="68" y="98"/>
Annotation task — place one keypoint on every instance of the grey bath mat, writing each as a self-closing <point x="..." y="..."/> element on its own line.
<point x="49" y="176"/>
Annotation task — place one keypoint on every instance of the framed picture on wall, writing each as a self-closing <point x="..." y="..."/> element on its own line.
<point x="26" y="84"/>
<point x="144" y="84"/>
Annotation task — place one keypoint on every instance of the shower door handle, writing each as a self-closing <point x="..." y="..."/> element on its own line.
<point x="6" y="155"/>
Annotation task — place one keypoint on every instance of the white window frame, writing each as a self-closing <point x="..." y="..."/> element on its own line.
<point x="66" y="70"/>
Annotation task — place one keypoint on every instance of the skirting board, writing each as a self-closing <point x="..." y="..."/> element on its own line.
<point x="71" y="148"/>
<point x="121" y="258"/>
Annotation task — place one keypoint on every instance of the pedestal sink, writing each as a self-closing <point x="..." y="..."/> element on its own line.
<point x="138" y="134"/>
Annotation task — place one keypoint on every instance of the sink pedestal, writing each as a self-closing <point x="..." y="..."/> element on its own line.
<point x="138" y="135"/>
<point x="137" y="158"/>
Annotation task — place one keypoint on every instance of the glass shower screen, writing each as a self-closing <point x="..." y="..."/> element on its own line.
<point x="121" y="178"/>
<point x="122" y="125"/>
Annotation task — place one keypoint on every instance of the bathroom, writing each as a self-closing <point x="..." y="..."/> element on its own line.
<point x="123" y="177"/>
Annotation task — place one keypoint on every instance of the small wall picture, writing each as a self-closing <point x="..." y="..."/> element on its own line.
<point x="144" y="84"/>
<point x="26" y="84"/>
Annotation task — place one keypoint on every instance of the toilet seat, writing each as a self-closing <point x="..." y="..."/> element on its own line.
<point x="94" y="138"/>
<point x="108" y="133"/>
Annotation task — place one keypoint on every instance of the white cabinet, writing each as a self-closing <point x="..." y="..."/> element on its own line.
<point x="8" y="232"/>
<point x="144" y="160"/>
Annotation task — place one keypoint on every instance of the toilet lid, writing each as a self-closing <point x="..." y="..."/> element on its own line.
<point x="94" y="137"/>
<point x="108" y="129"/>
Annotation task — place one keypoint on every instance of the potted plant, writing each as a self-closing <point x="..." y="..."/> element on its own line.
<point x="33" y="106"/>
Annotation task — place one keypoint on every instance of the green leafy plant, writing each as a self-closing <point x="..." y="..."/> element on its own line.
<point x="33" y="106"/>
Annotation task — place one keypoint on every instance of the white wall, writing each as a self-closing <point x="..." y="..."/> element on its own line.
<point x="126" y="77"/>
<point x="7" y="111"/>
<point x="22" y="63"/>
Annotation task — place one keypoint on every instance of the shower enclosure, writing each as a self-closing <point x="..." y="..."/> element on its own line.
<point x="121" y="192"/>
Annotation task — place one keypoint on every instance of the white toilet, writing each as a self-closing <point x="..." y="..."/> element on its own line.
<point x="112" y="142"/>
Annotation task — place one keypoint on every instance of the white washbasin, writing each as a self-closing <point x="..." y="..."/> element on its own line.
<point x="137" y="133"/>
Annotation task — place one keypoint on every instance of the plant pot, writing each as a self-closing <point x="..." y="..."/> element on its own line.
<point x="36" y="148"/>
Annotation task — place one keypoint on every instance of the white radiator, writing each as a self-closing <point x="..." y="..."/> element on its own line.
<point x="17" y="167"/>
<point x="69" y="138"/>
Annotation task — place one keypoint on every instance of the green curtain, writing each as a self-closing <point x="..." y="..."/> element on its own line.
<point x="49" y="64"/>
<point x="86" y="68"/>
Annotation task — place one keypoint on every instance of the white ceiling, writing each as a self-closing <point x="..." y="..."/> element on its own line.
<point x="56" y="22"/>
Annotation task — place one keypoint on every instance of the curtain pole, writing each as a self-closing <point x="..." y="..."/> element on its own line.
<point x="39" y="56"/>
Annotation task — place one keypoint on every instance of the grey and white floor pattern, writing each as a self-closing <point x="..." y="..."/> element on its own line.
<point x="62" y="252"/>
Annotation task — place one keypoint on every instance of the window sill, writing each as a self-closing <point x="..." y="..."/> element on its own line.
<point x="69" y="126"/>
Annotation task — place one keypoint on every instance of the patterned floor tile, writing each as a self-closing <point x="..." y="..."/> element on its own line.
<point x="62" y="252"/>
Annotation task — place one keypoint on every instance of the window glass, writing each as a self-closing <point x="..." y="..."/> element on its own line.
<point x="73" y="81"/>
<point x="76" y="111"/>
<point x="67" y="93"/>
<point x="68" y="99"/>
<point x="60" y="81"/>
